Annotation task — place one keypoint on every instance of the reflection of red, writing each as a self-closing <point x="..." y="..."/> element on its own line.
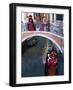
<point x="52" y="62"/>
<point x="30" y="24"/>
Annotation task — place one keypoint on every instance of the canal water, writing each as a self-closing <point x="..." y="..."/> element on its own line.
<point x="32" y="63"/>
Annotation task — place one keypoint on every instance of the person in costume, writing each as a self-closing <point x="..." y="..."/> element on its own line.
<point x="51" y="63"/>
<point x="30" y="24"/>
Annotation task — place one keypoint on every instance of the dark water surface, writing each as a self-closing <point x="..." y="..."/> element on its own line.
<point x="32" y="64"/>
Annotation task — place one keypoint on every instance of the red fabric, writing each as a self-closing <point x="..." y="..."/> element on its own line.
<point x="51" y="62"/>
<point x="30" y="26"/>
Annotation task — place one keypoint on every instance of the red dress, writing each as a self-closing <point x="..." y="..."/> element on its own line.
<point x="30" y="25"/>
<point x="52" y="63"/>
<point x="51" y="66"/>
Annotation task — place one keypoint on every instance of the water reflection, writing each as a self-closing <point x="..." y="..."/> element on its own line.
<point x="34" y="53"/>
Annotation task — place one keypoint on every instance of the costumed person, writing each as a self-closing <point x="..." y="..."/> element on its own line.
<point x="51" y="63"/>
<point x="37" y="22"/>
<point x="30" y="24"/>
<point x="45" y="26"/>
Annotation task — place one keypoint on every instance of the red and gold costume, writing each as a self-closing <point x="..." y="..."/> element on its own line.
<point x="51" y="63"/>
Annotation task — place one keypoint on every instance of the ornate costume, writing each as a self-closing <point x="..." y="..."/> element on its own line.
<point x="30" y="24"/>
<point x="51" y="63"/>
